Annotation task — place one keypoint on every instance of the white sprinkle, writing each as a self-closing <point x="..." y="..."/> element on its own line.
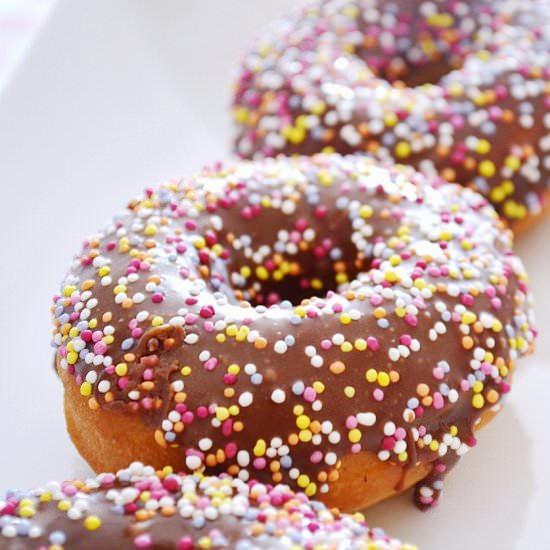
<point x="278" y="396"/>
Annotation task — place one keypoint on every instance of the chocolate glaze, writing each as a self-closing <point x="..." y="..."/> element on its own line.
<point x="431" y="311"/>
<point x="324" y="77"/>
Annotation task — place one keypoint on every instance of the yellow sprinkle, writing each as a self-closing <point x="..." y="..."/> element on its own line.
<point x="151" y="229"/>
<point x="469" y="318"/>
<point x="311" y="489"/>
<point x="233" y="368"/>
<point x="478" y="401"/>
<point x="72" y="357"/>
<point x="383" y="379"/>
<point x="318" y="386"/>
<point x="478" y="386"/>
<point x="105" y="270"/>
<point x="324" y="177"/>
<point x="483" y="147"/>
<point x="371" y="375"/>
<point x="349" y="392"/>
<point x="444" y="20"/>
<point x="360" y="344"/>
<point x="85" y="389"/>
<point x="402" y="149"/>
<point x="512" y="162"/>
<point x="366" y="211"/>
<point x="355" y="435"/>
<point x="64" y="505"/>
<point x="121" y="369"/>
<point x="346" y="347"/>
<point x="259" y="448"/>
<point x="345" y="319"/>
<point x="68" y="290"/>
<point x="92" y="523"/>
<point x="302" y="481"/>
<point x="240" y="114"/>
<point x="487" y="168"/>
<point x="222" y="413"/>
<point x="262" y="273"/>
<point x="303" y="422"/>
<point x="157" y="321"/>
<point x="27" y="511"/>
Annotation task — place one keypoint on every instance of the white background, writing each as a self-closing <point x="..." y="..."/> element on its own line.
<point x="117" y="96"/>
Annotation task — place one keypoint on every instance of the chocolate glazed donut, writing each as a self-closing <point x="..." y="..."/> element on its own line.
<point x="459" y="88"/>
<point x="189" y="332"/>
<point x="138" y="508"/>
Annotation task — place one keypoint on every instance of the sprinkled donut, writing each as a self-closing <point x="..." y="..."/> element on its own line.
<point x="346" y="75"/>
<point x="322" y="322"/>
<point x="138" y="508"/>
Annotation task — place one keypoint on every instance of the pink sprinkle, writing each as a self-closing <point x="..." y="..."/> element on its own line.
<point x="326" y="344"/>
<point x="351" y="422"/>
<point x="259" y="463"/>
<point x="438" y="401"/>
<point x="231" y="449"/>
<point x="372" y="343"/>
<point x="157" y="298"/>
<point x="438" y="373"/>
<point x="202" y="412"/>
<point x="400" y="434"/>
<point x="316" y="457"/>
<point x="310" y="394"/>
<point x="207" y="311"/>
<point x="143" y="541"/>
<point x="210" y="364"/>
<point x="411" y="320"/>
<point x="378" y="394"/>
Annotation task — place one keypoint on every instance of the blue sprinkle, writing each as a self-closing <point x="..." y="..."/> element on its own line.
<point x="127" y="344"/>
<point x="198" y="522"/>
<point x="57" y="537"/>
<point x="256" y="379"/>
<point x="286" y="462"/>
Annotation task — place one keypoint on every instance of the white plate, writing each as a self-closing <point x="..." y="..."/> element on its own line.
<point x="116" y="96"/>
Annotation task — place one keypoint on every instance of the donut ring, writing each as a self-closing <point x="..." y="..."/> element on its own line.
<point x="190" y="322"/>
<point x="138" y="508"/>
<point x="344" y="75"/>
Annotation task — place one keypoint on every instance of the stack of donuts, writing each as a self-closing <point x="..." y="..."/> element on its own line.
<point x="281" y="338"/>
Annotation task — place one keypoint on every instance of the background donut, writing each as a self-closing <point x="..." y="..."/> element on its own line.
<point x="459" y="88"/>
<point x="188" y="332"/>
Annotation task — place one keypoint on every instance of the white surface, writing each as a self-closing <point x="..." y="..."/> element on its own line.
<point x="116" y="96"/>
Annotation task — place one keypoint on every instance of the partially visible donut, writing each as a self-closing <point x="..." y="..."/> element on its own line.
<point x="138" y="508"/>
<point x="187" y="333"/>
<point x="340" y="75"/>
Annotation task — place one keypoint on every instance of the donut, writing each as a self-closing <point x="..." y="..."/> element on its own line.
<point x="459" y="88"/>
<point x="318" y="321"/>
<point x="138" y="508"/>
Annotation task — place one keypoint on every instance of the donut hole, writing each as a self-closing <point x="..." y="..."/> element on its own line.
<point x="308" y="276"/>
<point x="400" y="72"/>
<point x="293" y="268"/>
